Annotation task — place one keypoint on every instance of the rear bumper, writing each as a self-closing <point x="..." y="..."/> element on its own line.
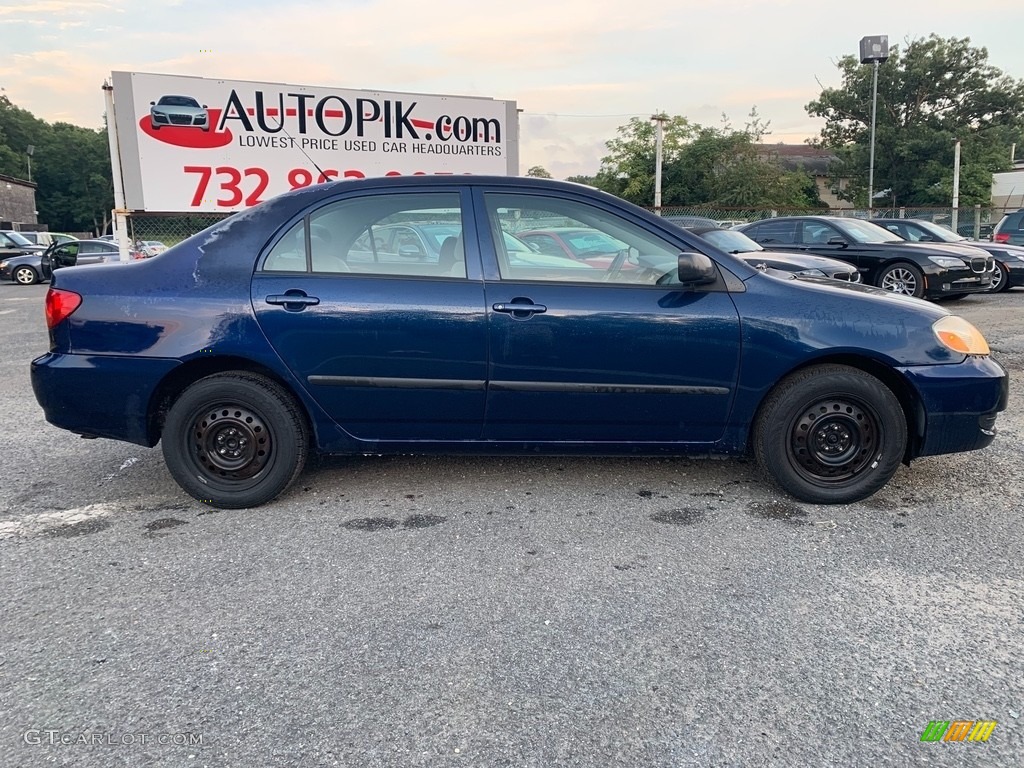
<point x="66" y="388"/>
<point x="959" y="403"/>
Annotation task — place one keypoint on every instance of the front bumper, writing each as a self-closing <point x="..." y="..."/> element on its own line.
<point x="947" y="282"/>
<point x="958" y="404"/>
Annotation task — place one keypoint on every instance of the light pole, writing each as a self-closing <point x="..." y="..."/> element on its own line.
<point x="658" y="135"/>
<point x="874" y="50"/>
<point x="28" y="152"/>
<point x="956" y="184"/>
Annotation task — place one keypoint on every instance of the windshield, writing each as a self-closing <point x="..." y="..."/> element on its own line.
<point x="18" y="238"/>
<point x="865" y="232"/>
<point x="731" y="241"/>
<point x="178" y="101"/>
<point x="939" y="232"/>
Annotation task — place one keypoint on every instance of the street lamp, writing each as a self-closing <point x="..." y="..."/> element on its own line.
<point x="660" y="119"/>
<point x="873" y="50"/>
<point x="28" y="151"/>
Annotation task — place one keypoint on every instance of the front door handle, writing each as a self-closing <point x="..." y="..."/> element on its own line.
<point x="293" y="300"/>
<point x="520" y="308"/>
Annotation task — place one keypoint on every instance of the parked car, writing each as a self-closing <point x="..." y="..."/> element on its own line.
<point x="1009" y="272"/>
<point x="802" y="264"/>
<point x="684" y="220"/>
<point x="181" y="111"/>
<point x="1009" y="230"/>
<point x="240" y="364"/>
<point x="145" y="249"/>
<point x="77" y="253"/>
<point x="929" y="270"/>
<point x="15" y="244"/>
<point x="577" y="243"/>
<point x="24" y="269"/>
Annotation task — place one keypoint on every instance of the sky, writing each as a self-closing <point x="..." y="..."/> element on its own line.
<point x="578" y="69"/>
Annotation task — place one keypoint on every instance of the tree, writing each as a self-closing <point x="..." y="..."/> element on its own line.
<point x="70" y="166"/>
<point x="539" y="171"/>
<point x="702" y="166"/>
<point x="930" y="94"/>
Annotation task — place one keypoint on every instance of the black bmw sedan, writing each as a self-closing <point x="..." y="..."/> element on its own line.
<point x="928" y="270"/>
<point x="1009" y="258"/>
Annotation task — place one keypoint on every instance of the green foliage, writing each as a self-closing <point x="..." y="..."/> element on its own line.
<point x="701" y="165"/>
<point x="70" y="165"/>
<point x="930" y="94"/>
<point x="539" y="171"/>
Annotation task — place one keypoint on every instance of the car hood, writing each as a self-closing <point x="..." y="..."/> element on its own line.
<point x="939" y="249"/>
<point x="802" y="261"/>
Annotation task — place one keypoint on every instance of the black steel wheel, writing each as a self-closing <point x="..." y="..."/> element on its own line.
<point x="25" y="275"/>
<point x="235" y="440"/>
<point x="831" y="434"/>
<point x="902" y="278"/>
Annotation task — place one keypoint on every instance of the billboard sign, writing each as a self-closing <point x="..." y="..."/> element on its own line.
<point x="195" y="144"/>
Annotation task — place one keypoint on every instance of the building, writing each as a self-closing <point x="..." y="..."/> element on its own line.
<point x="17" y="203"/>
<point x="814" y="161"/>
<point x="1008" y="187"/>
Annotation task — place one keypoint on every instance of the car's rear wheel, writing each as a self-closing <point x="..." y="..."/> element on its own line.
<point x="25" y="276"/>
<point x="999" y="281"/>
<point x="830" y="434"/>
<point x="902" y="278"/>
<point x="235" y="440"/>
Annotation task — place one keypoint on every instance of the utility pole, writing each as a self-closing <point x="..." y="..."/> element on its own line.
<point x="659" y="133"/>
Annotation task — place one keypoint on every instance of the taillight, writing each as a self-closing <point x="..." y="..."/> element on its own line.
<point x="1001" y="237"/>
<point x="59" y="305"/>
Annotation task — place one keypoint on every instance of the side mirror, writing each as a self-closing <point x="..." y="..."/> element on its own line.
<point x="696" y="269"/>
<point x="927" y="239"/>
<point x="410" y="251"/>
<point x="836" y="240"/>
<point x="152" y="103"/>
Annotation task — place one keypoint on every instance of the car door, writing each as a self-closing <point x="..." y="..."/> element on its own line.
<point x="92" y="253"/>
<point x="391" y="349"/>
<point x="601" y="354"/>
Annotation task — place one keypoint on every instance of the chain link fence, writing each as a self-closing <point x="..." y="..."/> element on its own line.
<point x="168" y="229"/>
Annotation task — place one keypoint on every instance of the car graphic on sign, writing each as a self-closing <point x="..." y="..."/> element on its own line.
<point x="181" y="111"/>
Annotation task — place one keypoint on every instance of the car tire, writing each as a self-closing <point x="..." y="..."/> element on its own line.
<point x="235" y="440"/>
<point x="1003" y="280"/>
<point x="25" y="276"/>
<point x="902" y="278"/>
<point x="830" y="434"/>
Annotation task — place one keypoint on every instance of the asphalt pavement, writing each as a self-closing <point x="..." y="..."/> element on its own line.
<point x="412" y="611"/>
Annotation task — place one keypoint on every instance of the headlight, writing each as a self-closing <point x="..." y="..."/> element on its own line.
<point x="957" y="334"/>
<point x="3" y="265"/>
<point x="949" y="262"/>
<point x="812" y="272"/>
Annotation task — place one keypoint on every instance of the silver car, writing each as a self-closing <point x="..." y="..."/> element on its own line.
<point x="178" y="111"/>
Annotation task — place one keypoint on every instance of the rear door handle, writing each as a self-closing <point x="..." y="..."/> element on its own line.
<point x="293" y="300"/>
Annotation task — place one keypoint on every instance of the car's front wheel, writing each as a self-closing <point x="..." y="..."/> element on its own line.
<point x="235" y="440"/>
<point x="25" y="276"/>
<point x="902" y="278"/>
<point x="830" y="434"/>
<point x="999" y="281"/>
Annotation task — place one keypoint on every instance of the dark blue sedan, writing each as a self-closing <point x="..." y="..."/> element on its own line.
<point x="295" y="327"/>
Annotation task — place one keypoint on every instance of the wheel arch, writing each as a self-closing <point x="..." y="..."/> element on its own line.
<point x="910" y="402"/>
<point x="178" y="380"/>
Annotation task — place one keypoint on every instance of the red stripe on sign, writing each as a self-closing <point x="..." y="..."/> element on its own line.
<point x="422" y="123"/>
